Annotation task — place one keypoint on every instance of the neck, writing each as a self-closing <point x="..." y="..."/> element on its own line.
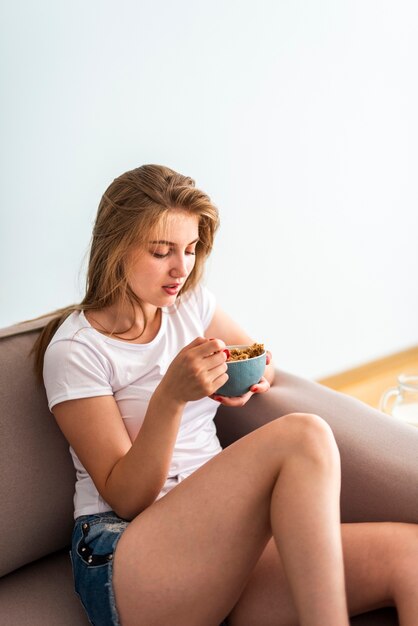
<point x="128" y="323"/>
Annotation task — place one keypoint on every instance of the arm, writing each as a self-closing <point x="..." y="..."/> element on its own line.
<point x="128" y="475"/>
<point x="225" y="328"/>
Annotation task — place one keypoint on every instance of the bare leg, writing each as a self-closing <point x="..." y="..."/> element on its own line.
<point x="405" y="572"/>
<point x="187" y="559"/>
<point x="381" y="563"/>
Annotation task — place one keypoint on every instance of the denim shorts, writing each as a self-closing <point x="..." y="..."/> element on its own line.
<point x="93" y="545"/>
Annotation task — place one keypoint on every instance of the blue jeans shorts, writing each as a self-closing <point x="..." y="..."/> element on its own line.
<point x="93" y="545"/>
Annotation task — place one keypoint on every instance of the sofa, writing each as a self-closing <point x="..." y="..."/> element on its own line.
<point x="379" y="478"/>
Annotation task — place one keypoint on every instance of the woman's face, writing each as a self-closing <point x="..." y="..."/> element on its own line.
<point x="160" y="269"/>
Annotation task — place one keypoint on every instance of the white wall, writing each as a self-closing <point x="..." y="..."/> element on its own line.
<point x="299" y="118"/>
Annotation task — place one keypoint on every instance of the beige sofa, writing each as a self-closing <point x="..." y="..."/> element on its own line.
<point x="379" y="469"/>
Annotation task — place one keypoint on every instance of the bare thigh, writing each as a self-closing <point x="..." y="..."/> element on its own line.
<point x="371" y="556"/>
<point x="188" y="557"/>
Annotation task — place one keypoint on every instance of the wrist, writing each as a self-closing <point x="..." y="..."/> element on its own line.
<point x="163" y="394"/>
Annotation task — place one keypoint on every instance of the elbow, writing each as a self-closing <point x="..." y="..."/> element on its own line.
<point x="124" y="514"/>
<point x="130" y="498"/>
<point x="129" y="512"/>
<point x="128" y="506"/>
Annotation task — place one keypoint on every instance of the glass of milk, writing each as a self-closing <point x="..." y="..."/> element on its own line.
<point x="403" y="399"/>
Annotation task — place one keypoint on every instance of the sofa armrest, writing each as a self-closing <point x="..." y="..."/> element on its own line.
<point x="379" y="454"/>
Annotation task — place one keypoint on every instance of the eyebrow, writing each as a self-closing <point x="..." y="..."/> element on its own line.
<point x="171" y="243"/>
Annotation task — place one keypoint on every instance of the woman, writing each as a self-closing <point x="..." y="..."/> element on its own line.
<point x="170" y="528"/>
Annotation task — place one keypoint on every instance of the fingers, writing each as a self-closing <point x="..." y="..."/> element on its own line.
<point x="261" y="387"/>
<point x="236" y="401"/>
<point x="202" y="363"/>
<point x="206" y="347"/>
<point x="214" y="346"/>
<point x="199" y="341"/>
<point x="213" y="351"/>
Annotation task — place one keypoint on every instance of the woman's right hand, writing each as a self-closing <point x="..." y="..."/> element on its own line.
<point x="197" y="371"/>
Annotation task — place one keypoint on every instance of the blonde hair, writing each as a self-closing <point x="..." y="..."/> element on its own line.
<point x="132" y="206"/>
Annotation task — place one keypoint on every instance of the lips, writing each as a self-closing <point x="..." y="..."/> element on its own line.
<point x="173" y="289"/>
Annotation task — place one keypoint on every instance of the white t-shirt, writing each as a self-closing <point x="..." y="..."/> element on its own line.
<point x="81" y="362"/>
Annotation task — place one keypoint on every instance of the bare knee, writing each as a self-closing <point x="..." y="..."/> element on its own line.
<point x="310" y="436"/>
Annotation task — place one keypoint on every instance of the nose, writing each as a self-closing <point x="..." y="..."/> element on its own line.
<point x="179" y="268"/>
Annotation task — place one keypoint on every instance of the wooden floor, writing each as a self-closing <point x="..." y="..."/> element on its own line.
<point x="369" y="381"/>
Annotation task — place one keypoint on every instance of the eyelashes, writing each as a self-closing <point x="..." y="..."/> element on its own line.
<point x="157" y="255"/>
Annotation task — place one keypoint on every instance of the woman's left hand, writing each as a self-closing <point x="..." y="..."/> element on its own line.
<point x="260" y="387"/>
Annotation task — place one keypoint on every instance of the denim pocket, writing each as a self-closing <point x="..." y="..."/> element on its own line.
<point x="96" y="544"/>
<point x="88" y="545"/>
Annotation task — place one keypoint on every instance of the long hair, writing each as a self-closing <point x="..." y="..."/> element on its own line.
<point x="132" y="206"/>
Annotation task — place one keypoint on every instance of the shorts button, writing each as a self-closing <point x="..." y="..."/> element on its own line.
<point x="109" y="557"/>
<point x="90" y="559"/>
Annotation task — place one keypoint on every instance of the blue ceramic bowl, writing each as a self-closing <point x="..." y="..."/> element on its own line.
<point x="242" y="374"/>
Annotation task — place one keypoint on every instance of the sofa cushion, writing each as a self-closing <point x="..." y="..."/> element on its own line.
<point x="36" y="471"/>
<point x="41" y="594"/>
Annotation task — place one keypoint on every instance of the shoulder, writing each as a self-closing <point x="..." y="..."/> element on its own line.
<point x="75" y="341"/>
<point x="74" y="365"/>
<point x="71" y="325"/>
